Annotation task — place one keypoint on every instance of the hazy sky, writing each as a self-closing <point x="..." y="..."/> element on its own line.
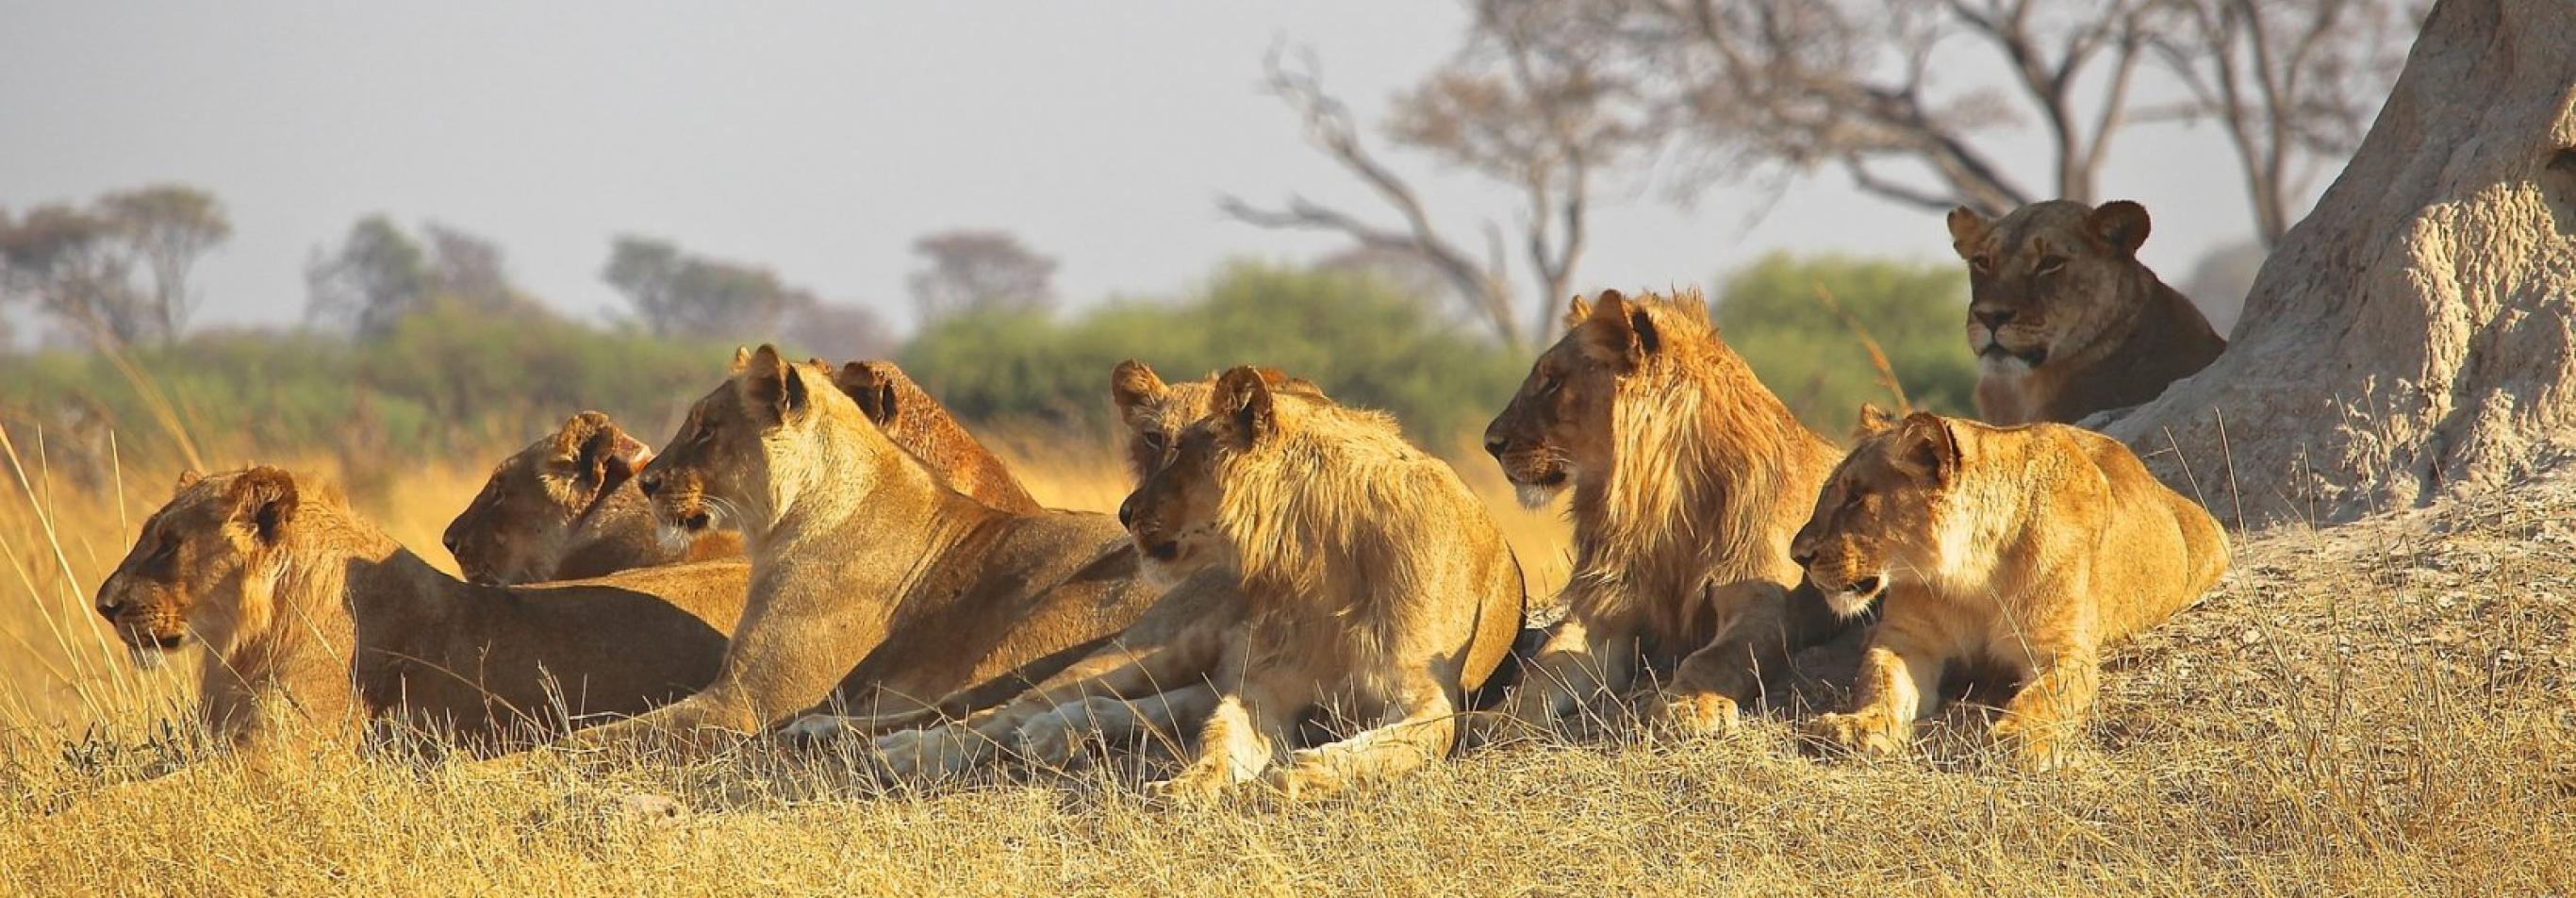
<point x="820" y="139"/>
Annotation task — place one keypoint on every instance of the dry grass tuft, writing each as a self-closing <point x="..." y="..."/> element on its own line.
<point x="2378" y="709"/>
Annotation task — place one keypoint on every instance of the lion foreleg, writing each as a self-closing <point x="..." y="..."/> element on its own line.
<point x="1419" y="729"/>
<point x="1711" y="685"/>
<point x="1581" y="661"/>
<point x="1900" y="682"/>
<point x="1050" y="738"/>
<point x="2046" y="715"/>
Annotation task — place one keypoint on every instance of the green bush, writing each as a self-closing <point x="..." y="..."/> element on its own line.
<point x="1361" y="341"/>
<point x="1770" y="313"/>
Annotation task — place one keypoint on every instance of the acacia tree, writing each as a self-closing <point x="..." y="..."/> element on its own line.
<point x="2410" y="337"/>
<point x="379" y="275"/>
<point x="677" y="294"/>
<point x="117" y="268"/>
<point x="1546" y="123"/>
<point x="979" y="271"/>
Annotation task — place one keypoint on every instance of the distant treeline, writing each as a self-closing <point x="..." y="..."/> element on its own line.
<point x="452" y="378"/>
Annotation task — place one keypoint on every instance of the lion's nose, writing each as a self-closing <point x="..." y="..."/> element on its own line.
<point x="107" y="608"/>
<point x="1992" y="318"/>
<point x="650" y="483"/>
<point x="1494" y="446"/>
<point x="1802" y="554"/>
<point x="1127" y="511"/>
<point x="449" y="541"/>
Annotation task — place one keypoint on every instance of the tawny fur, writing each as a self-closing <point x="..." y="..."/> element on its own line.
<point x="867" y="571"/>
<point x="304" y="607"/>
<point x="2065" y="320"/>
<point x="566" y="507"/>
<point x="1152" y="677"/>
<point x="1689" y="478"/>
<point x="2029" y="547"/>
<point x="1373" y="583"/>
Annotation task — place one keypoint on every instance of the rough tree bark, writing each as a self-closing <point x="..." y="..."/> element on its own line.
<point x="2416" y="335"/>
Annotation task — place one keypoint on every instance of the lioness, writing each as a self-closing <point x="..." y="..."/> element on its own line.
<point x="920" y="425"/>
<point x="1689" y="478"/>
<point x="1373" y="582"/>
<point x="2030" y="547"/>
<point x="566" y="506"/>
<point x="303" y="604"/>
<point x="864" y="563"/>
<point x="2065" y="320"/>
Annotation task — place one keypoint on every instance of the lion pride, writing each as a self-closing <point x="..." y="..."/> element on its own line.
<point x="304" y="607"/>
<point x="1689" y="478"/>
<point x="867" y="571"/>
<point x="1374" y="584"/>
<point x="2065" y="320"/>
<point x="2028" y="547"/>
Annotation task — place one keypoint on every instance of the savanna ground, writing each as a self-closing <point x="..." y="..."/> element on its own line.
<point x="2381" y="708"/>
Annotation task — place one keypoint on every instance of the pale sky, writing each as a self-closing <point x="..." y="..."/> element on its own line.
<point x="820" y="138"/>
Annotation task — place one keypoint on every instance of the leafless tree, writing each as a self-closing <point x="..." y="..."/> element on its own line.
<point x="2293" y="83"/>
<point x="979" y="271"/>
<point x="1545" y="123"/>
<point x="1858" y="85"/>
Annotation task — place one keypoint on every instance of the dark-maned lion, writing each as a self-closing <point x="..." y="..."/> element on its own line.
<point x="1689" y="478"/>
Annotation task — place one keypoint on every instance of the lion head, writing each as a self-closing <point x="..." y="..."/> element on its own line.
<point x="220" y="536"/>
<point x="521" y="526"/>
<point x="2051" y="281"/>
<point x="1880" y="512"/>
<point x="1173" y="513"/>
<point x="915" y="421"/>
<point x="1560" y="427"/>
<point x="739" y="441"/>
<point x="1155" y="412"/>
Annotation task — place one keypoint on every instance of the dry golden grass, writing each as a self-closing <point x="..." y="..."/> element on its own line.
<point x="2378" y="709"/>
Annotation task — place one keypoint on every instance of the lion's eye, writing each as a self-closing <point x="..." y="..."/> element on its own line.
<point x="1982" y="264"/>
<point x="1157" y="440"/>
<point x="1547" y="385"/>
<point x="2049" y="265"/>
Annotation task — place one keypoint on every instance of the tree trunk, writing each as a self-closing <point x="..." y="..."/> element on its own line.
<point x="2416" y="335"/>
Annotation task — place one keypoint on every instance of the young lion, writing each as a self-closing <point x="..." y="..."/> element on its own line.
<point x="1689" y="478"/>
<point x="2063" y="317"/>
<point x="2031" y="547"/>
<point x="301" y="603"/>
<point x="566" y="507"/>
<point x="864" y="563"/>
<point x="1372" y="582"/>
<point x="1153" y="676"/>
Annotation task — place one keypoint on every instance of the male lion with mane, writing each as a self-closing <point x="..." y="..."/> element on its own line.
<point x="305" y="607"/>
<point x="1689" y="478"/>
<point x="1374" y="584"/>
<point x="865" y="564"/>
<point x="2064" y="319"/>
<point x="2028" y="548"/>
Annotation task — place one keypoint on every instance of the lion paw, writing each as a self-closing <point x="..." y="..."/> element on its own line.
<point x="1863" y="733"/>
<point x="815" y="728"/>
<point x="925" y="753"/>
<point x="2034" y="748"/>
<point x="1301" y="782"/>
<point x="1696" y="714"/>
<point x="1198" y="785"/>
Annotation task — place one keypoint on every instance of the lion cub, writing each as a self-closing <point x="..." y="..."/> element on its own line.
<point x="303" y="605"/>
<point x="2026" y="547"/>
<point x="1373" y="583"/>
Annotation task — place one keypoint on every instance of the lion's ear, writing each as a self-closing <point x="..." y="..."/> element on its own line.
<point x="871" y="385"/>
<point x="1927" y="447"/>
<point x="2120" y="224"/>
<point x="771" y="383"/>
<point x="1967" y="229"/>
<point x="1575" y="311"/>
<point x="1133" y="385"/>
<point x="264" y="501"/>
<point x="1873" y="421"/>
<point x="188" y="477"/>
<point x="741" y="360"/>
<point x="1243" y="397"/>
<point x="1623" y="330"/>
<point x="606" y="455"/>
